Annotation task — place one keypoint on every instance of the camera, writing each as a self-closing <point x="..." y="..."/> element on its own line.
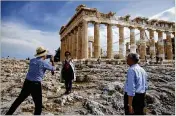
<point x="48" y="56"/>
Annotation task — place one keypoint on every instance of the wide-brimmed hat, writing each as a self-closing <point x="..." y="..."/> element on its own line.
<point x="41" y="51"/>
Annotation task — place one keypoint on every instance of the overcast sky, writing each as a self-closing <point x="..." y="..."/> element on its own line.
<point x="27" y="25"/>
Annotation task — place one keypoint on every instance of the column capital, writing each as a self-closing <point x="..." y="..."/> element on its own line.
<point x="159" y="31"/>
<point x="140" y="28"/>
<point x="120" y="26"/>
<point x="94" y="22"/>
<point x="84" y="21"/>
<point x="150" y="30"/>
<point x="131" y="27"/>
<point x="108" y="24"/>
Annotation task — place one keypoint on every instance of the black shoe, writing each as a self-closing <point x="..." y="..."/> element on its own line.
<point x="66" y="93"/>
<point x="69" y="91"/>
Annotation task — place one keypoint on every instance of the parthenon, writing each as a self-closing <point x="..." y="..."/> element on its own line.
<point x="74" y="35"/>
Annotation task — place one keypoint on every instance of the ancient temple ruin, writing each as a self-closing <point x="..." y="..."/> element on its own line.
<point x="74" y="35"/>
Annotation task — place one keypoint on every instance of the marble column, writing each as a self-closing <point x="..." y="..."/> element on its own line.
<point x="69" y="42"/>
<point x="127" y="48"/>
<point x="169" y="46"/>
<point x="96" y="40"/>
<point x="65" y="46"/>
<point x="152" y="43"/>
<point x="61" y="48"/>
<point x="72" y="44"/>
<point x="66" y="43"/>
<point x="132" y="40"/>
<point x="93" y="54"/>
<point x="160" y="44"/>
<point x="85" y="40"/>
<point x="121" y="42"/>
<point x="89" y="49"/>
<point x="109" y="41"/>
<point x="142" y="52"/>
<point x="76" y="43"/>
<point x="173" y="44"/>
<point x="80" y="41"/>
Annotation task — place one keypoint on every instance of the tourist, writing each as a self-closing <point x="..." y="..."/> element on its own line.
<point x="135" y="87"/>
<point x="157" y="57"/>
<point x="32" y="83"/>
<point x="68" y="72"/>
<point x="161" y="60"/>
<point x="99" y="60"/>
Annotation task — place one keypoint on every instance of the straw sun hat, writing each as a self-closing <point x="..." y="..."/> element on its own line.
<point x="41" y="51"/>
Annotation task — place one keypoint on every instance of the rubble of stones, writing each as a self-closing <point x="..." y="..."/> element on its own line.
<point x="98" y="89"/>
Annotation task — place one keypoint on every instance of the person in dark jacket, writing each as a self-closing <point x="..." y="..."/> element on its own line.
<point x="32" y="83"/>
<point x="68" y="72"/>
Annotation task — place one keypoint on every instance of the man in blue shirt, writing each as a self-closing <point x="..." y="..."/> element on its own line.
<point x="32" y="83"/>
<point x="135" y="87"/>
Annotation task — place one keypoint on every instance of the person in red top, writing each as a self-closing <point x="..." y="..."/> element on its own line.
<point x="67" y="72"/>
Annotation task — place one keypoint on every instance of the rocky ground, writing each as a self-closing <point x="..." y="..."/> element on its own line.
<point x="98" y="89"/>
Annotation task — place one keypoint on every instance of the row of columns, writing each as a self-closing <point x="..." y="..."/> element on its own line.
<point x="160" y="45"/>
<point x="77" y="42"/>
<point x="153" y="52"/>
<point x="96" y="40"/>
<point x="77" y="47"/>
<point x="169" y="46"/>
